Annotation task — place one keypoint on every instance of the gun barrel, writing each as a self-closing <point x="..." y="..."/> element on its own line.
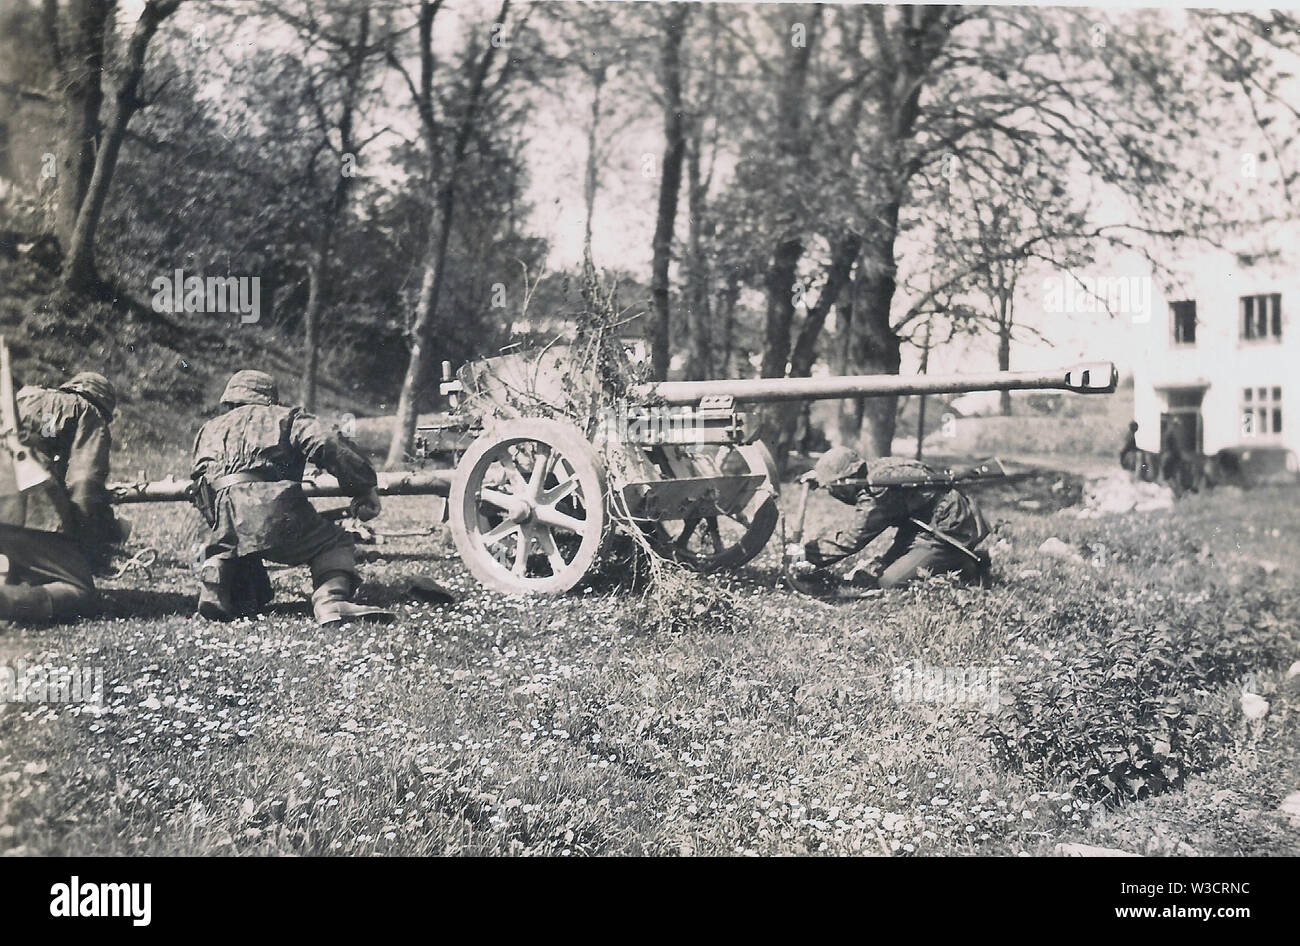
<point x="1089" y="378"/>
<point x="417" y="483"/>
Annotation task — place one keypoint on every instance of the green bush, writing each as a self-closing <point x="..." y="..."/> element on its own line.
<point x="1120" y="720"/>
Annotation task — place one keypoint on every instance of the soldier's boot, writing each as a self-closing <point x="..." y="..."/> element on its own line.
<point x="26" y="604"/>
<point x="37" y="604"/>
<point x="331" y="603"/>
<point x="250" y="586"/>
<point x="334" y="575"/>
<point x="68" y="600"/>
<point x="215" y="599"/>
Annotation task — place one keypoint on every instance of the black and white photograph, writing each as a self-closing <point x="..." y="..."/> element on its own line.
<point x="548" y="428"/>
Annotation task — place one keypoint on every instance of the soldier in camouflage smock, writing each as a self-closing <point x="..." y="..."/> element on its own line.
<point x="248" y="468"/>
<point x="51" y="538"/>
<point x="938" y="526"/>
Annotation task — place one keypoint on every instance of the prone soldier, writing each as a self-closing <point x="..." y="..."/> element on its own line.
<point x="248" y="468"/>
<point x="938" y="526"/>
<point x="53" y="535"/>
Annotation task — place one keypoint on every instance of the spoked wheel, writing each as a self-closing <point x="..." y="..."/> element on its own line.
<point x="527" y="507"/>
<point x="716" y="543"/>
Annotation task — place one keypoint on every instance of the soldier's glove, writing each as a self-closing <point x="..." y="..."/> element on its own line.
<point x="810" y="477"/>
<point x="366" y="506"/>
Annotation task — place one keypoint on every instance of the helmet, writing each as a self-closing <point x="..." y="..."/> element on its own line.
<point x="835" y="464"/>
<point x="250" y="387"/>
<point x="95" y="388"/>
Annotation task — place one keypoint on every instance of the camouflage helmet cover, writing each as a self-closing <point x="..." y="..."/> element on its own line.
<point x="835" y="464"/>
<point x="250" y="387"/>
<point x="95" y="388"/>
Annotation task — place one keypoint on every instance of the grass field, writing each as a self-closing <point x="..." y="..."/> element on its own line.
<point x="570" y="726"/>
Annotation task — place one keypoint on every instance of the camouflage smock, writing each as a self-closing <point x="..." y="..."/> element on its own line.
<point x="876" y="509"/>
<point x="276" y="442"/>
<point x="73" y="440"/>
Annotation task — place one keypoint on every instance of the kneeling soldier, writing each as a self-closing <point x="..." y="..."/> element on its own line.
<point x="938" y="526"/>
<point x="52" y="534"/>
<point x="248" y="467"/>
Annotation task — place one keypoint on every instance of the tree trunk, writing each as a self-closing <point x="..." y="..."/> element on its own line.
<point x="311" y="330"/>
<point x="920" y="407"/>
<point x="700" y="364"/>
<point x="591" y="180"/>
<point x="670" y="183"/>
<point x="426" y="311"/>
<point x="779" y="283"/>
<point x="792" y="146"/>
<point x="79" y="263"/>
<point x="316" y="276"/>
<point x="838" y="274"/>
<point x="804" y="354"/>
<point x="1004" y="347"/>
<point x="877" y="348"/>
<point x="338" y="200"/>
<point x="783" y="271"/>
<point x="880" y="414"/>
<point x="848" y="414"/>
<point x="435" y="256"/>
<point x="729" y="297"/>
<point x="82" y="58"/>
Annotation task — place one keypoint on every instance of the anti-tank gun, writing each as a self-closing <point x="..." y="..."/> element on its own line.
<point x="539" y="491"/>
<point x="551" y="469"/>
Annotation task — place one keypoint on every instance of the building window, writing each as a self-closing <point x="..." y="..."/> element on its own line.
<point x="1183" y="317"/>
<point x="1261" y="317"/>
<point x="1261" y="412"/>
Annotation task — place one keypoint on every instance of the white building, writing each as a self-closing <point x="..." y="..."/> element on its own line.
<point x="1223" y="352"/>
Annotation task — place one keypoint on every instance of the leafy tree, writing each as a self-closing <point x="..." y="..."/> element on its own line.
<point x="860" y="120"/>
<point x="673" y="25"/>
<point x="452" y="115"/>
<point x="79" y="45"/>
<point x="338" y="64"/>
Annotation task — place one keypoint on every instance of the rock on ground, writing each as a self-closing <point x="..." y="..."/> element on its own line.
<point x="1291" y="808"/>
<point x="1118" y="492"/>
<point x="1057" y="549"/>
<point x="1253" y="706"/>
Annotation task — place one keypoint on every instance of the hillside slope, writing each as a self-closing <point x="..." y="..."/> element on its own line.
<point x="169" y="369"/>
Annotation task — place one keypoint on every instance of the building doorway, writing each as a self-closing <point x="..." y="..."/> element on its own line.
<point x="1183" y="415"/>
